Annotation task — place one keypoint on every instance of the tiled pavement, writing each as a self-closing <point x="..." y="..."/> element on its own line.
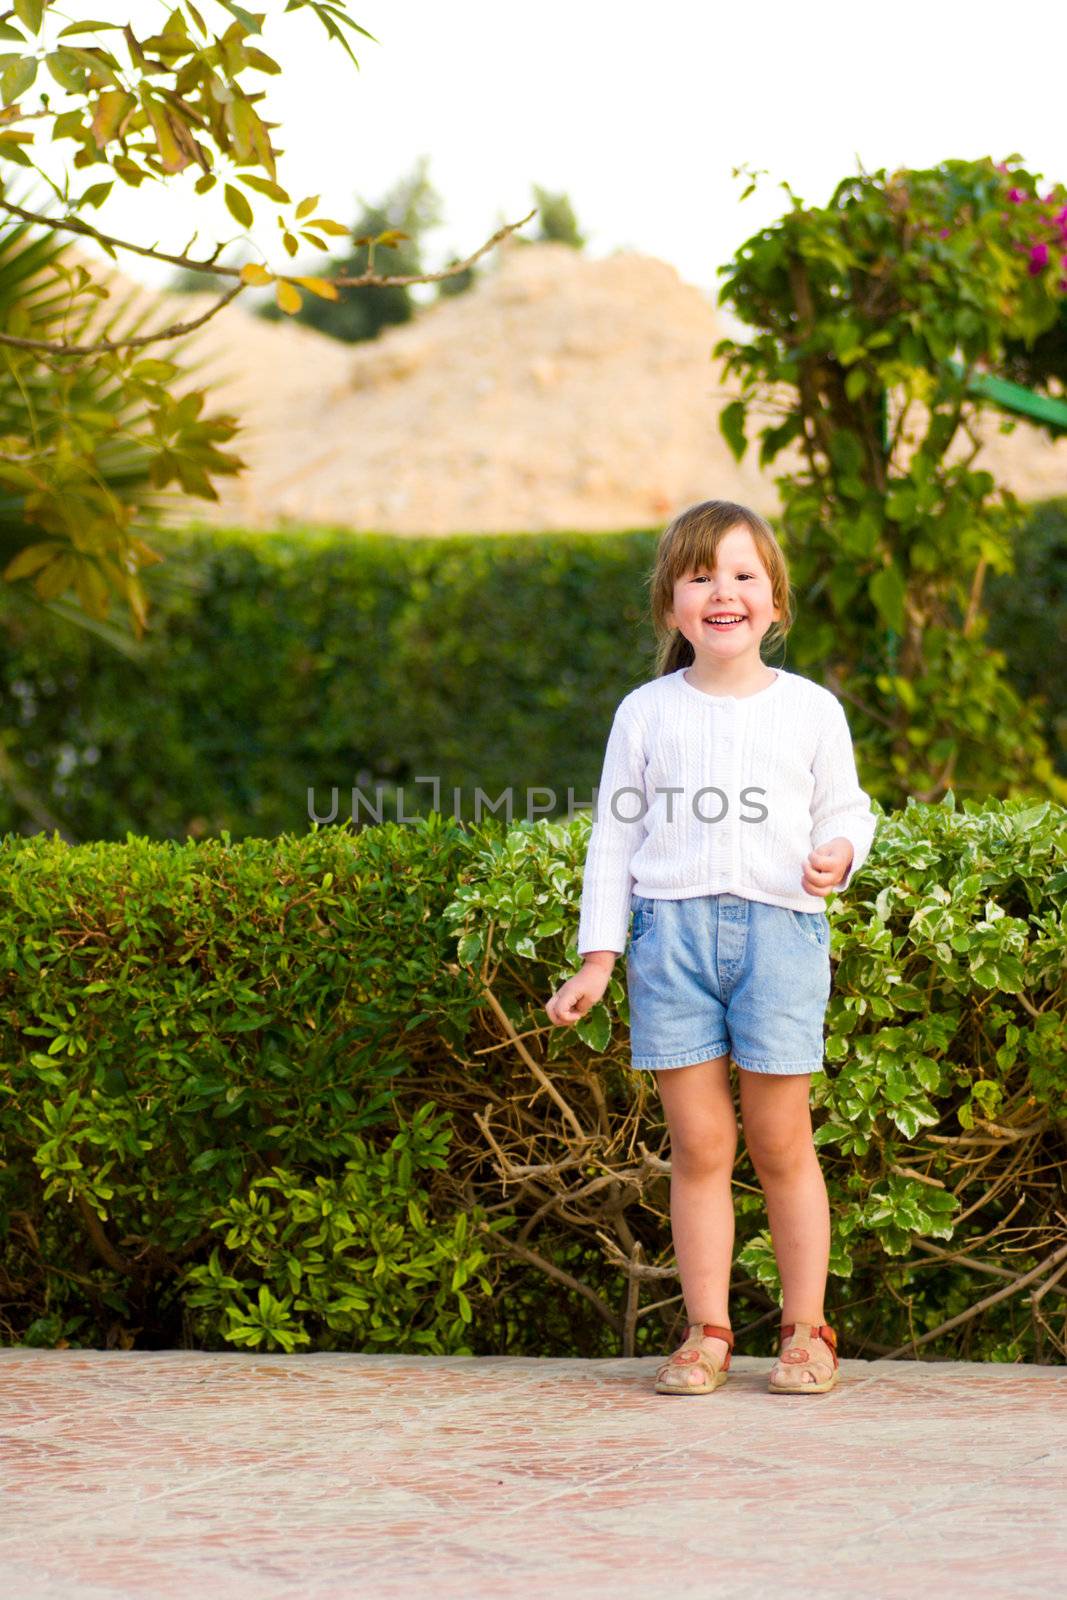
<point x="223" y="1476"/>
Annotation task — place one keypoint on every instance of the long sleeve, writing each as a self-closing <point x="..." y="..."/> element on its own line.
<point x="839" y="807"/>
<point x="607" y="881"/>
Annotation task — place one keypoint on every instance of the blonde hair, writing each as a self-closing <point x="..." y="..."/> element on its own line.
<point x="691" y="541"/>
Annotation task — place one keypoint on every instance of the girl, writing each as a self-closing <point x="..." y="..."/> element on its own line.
<point x="728" y="809"/>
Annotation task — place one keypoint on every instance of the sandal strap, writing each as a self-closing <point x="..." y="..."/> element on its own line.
<point x="711" y="1330"/>
<point x="821" y="1331"/>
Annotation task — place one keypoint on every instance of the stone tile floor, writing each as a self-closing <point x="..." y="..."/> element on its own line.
<point x="244" y="1477"/>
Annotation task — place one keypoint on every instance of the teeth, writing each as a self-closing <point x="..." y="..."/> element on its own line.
<point x="723" y="619"/>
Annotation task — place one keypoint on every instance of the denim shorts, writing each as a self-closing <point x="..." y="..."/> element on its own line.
<point x="719" y="975"/>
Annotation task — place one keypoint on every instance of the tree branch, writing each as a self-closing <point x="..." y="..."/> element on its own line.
<point x="958" y="1258"/>
<point x="552" y="1271"/>
<point x="104" y="1248"/>
<point x="1009" y="1289"/>
<point x="74" y="225"/>
<point x="47" y="345"/>
<point x="545" y="1082"/>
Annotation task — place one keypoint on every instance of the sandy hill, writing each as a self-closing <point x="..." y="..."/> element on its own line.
<point x="561" y="392"/>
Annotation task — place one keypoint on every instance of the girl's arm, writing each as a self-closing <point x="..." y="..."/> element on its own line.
<point x="840" y="809"/>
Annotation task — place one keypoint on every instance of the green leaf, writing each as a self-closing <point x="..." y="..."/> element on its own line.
<point x="67" y="70"/>
<point x="89" y="26"/>
<point x="237" y="205"/>
<point x="732" y="426"/>
<point x="594" y="1029"/>
<point x="774" y="440"/>
<point x="206" y="1160"/>
<point x="264" y="186"/>
<point x="245" y="18"/>
<point x="887" y="590"/>
<point x="855" y="383"/>
<point x="30" y="12"/>
<point x="927" y="1072"/>
<point x="94" y="196"/>
<point x="16" y="79"/>
<point x="153" y="370"/>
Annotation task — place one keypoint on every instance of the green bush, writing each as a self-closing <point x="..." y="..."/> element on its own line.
<point x="302" y="1094"/>
<point x="942" y="1115"/>
<point x="200" y="1053"/>
<point x="280" y="662"/>
<point x="343" y="1261"/>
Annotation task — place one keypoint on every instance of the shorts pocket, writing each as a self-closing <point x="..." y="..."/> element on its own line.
<point x="813" y="926"/>
<point x="644" y="915"/>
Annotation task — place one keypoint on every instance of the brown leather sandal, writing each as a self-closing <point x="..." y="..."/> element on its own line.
<point x="798" y="1352"/>
<point x="691" y="1352"/>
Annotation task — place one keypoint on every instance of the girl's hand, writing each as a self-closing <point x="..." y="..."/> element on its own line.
<point x="826" y="866"/>
<point x="579" y="994"/>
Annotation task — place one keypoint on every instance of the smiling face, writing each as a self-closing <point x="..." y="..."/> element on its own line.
<point x="739" y="587"/>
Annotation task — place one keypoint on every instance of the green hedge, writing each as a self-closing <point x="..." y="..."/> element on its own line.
<point x="1028" y="617"/>
<point x="279" y="662"/>
<point x="193" y="1034"/>
<point x="302" y="1094"/>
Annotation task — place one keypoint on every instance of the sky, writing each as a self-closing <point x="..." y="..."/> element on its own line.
<point x="639" y="113"/>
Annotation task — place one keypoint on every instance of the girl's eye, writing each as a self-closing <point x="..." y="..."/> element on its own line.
<point x="703" y="578"/>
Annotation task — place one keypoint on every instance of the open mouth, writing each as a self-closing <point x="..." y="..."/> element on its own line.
<point x="723" y="624"/>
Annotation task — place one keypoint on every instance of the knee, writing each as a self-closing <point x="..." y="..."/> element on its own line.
<point x="702" y="1153"/>
<point x="779" y="1153"/>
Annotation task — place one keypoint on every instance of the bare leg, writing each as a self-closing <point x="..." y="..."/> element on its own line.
<point x="699" y="1107"/>
<point x="777" y="1122"/>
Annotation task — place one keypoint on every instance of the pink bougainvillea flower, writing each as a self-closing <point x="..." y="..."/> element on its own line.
<point x="945" y="233"/>
<point x="1018" y="194"/>
<point x="1038" y="259"/>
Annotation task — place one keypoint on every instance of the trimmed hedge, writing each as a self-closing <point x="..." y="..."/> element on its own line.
<point x="319" y="658"/>
<point x="302" y="1094"/>
<point x="192" y="1035"/>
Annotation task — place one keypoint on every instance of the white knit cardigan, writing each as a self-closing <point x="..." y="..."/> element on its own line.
<point x="756" y="782"/>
